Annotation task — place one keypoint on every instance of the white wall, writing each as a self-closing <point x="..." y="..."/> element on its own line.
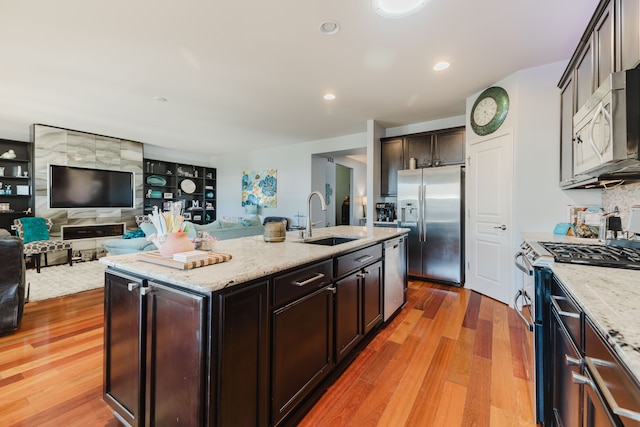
<point x="295" y="181"/>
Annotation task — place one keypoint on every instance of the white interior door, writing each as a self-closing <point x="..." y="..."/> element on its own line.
<point x="488" y="241"/>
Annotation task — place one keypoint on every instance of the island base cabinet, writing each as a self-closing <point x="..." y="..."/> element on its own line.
<point x="176" y="332"/>
<point x="302" y="350"/>
<point x="155" y="360"/>
<point x="123" y="373"/>
<point x="243" y="365"/>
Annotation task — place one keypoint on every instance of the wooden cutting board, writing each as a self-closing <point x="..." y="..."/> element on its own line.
<point x="155" y="258"/>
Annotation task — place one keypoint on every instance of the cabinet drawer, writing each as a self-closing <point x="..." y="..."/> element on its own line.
<point x="301" y="281"/>
<point x="357" y="259"/>
<point x="568" y="311"/>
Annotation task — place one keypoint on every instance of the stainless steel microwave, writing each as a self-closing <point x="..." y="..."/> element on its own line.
<point x="606" y="129"/>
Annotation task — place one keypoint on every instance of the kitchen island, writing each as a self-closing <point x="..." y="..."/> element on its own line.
<point x="251" y="341"/>
<point x="587" y="341"/>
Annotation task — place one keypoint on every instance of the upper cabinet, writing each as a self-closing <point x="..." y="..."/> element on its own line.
<point x="610" y="43"/>
<point x="430" y="149"/>
<point x="16" y="185"/>
<point x="194" y="186"/>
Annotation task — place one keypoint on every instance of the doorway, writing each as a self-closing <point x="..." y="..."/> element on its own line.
<point x="343" y="195"/>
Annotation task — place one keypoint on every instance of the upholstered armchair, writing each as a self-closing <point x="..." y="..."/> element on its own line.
<point x="34" y="232"/>
<point x="12" y="283"/>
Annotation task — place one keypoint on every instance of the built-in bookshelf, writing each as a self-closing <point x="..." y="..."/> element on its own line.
<point x="194" y="186"/>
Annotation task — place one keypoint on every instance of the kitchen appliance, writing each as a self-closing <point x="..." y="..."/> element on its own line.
<point x="395" y="276"/>
<point x="592" y="254"/>
<point x="607" y="128"/>
<point x="430" y="204"/>
<point x="530" y="256"/>
<point x="385" y="212"/>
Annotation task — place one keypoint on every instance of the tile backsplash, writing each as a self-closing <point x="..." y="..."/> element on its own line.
<point x="622" y="196"/>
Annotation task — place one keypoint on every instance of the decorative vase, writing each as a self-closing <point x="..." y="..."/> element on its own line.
<point x="174" y="243"/>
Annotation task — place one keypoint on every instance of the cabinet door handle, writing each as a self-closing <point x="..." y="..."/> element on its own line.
<point x="132" y="285"/>
<point x="332" y="289"/>
<point x="572" y="361"/>
<point x="593" y="364"/>
<point x="146" y="290"/>
<point x="580" y="379"/>
<point x="364" y="258"/>
<point x="554" y="302"/>
<point x="312" y="279"/>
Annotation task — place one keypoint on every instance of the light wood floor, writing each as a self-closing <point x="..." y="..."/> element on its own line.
<point x="451" y="358"/>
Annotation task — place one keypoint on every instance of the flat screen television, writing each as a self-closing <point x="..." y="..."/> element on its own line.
<point x="76" y="187"/>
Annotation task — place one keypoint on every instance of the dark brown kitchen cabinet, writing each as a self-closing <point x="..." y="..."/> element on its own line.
<point x="243" y="349"/>
<point x="302" y="335"/>
<point x="449" y="147"/>
<point x="419" y="147"/>
<point x="358" y="299"/>
<point x="123" y="352"/>
<point x="628" y="12"/>
<point x="155" y="366"/>
<point x="392" y="160"/>
<point x="302" y="350"/>
<point x="566" y="133"/>
<point x="604" y="44"/>
<point x="434" y="148"/>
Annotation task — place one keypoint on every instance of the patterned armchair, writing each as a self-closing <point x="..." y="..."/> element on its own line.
<point x="34" y="232"/>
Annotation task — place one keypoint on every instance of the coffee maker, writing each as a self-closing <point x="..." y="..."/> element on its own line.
<point x="385" y="212"/>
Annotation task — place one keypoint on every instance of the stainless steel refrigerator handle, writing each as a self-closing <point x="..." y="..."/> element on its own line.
<point x="424" y="212"/>
<point x="420" y="213"/>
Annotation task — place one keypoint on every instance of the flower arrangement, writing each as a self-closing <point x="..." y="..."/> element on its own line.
<point x="166" y="223"/>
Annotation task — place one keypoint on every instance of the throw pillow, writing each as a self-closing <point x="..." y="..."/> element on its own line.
<point x="34" y="229"/>
<point x="147" y="228"/>
<point x="133" y="234"/>
<point x="227" y="224"/>
<point x="251" y="220"/>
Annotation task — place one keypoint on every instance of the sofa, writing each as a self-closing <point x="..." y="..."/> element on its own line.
<point x="12" y="283"/>
<point x="223" y="229"/>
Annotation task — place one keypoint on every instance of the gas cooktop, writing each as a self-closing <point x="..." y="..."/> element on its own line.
<point x="598" y="255"/>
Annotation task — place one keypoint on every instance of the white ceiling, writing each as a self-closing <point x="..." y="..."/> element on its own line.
<point x="242" y="75"/>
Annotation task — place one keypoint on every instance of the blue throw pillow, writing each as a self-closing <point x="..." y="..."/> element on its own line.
<point x="251" y="220"/>
<point x="133" y="234"/>
<point x="147" y="228"/>
<point x="34" y="229"/>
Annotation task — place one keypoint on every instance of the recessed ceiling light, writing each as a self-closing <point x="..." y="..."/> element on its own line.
<point x="443" y="65"/>
<point x="397" y="8"/>
<point x="160" y="99"/>
<point x="329" y="28"/>
<point x="329" y="97"/>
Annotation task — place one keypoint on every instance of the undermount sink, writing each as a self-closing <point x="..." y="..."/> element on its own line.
<point x="330" y="241"/>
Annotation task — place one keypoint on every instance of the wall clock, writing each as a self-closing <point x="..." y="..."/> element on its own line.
<point x="489" y="111"/>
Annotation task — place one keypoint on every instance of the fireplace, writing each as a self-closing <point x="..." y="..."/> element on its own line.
<point x="91" y="231"/>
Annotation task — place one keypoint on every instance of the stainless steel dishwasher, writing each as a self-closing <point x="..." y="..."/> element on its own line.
<point x="395" y="275"/>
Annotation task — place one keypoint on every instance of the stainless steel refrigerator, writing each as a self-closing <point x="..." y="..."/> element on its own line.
<point x="431" y="204"/>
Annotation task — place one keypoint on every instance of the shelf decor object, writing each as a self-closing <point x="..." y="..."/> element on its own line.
<point x="156" y="180"/>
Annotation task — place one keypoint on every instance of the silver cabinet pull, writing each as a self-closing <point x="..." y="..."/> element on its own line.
<point x="593" y="364"/>
<point x="580" y="379"/>
<point x="146" y="290"/>
<point x="132" y="285"/>
<point x="554" y="302"/>
<point x="572" y="361"/>
<point x="317" y="276"/>
<point x="364" y="258"/>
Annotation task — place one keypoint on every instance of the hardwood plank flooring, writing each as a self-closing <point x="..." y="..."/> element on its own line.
<point x="451" y="358"/>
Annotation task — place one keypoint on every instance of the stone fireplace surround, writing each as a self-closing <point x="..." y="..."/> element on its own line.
<point x="54" y="145"/>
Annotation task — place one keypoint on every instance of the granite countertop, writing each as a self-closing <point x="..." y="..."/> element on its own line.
<point x="610" y="297"/>
<point x="252" y="258"/>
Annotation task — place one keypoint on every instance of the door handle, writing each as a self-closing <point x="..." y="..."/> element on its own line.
<point x="501" y="227"/>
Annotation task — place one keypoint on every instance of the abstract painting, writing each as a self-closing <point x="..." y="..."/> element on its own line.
<point x="260" y="188"/>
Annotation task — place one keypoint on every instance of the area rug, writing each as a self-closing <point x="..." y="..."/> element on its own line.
<point x="61" y="280"/>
